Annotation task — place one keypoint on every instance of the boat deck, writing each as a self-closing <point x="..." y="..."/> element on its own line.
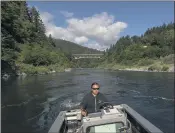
<point x="138" y="123"/>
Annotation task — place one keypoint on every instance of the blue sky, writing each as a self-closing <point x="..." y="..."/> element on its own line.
<point x="139" y="16"/>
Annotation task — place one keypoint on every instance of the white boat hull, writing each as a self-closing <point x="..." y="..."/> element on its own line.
<point x="119" y="119"/>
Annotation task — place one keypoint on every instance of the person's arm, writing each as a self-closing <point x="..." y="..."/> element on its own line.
<point x="83" y="106"/>
<point x="104" y="99"/>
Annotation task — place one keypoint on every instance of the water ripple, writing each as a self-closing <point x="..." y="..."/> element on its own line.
<point x="154" y="97"/>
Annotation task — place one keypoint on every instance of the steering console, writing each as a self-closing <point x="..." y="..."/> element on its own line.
<point x="106" y="106"/>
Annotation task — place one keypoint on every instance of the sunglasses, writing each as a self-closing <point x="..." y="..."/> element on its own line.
<point x="95" y="88"/>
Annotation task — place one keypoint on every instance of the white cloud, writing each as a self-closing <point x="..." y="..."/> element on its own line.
<point x="67" y="14"/>
<point x="98" y="31"/>
<point x="96" y="45"/>
<point x="47" y="18"/>
<point x="81" y="40"/>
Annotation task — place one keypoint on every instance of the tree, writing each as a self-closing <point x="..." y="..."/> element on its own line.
<point x="154" y="43"/>
<point x="51" y="41"/>
<point x="38" y="28"/>
<point x="23" y="37"/>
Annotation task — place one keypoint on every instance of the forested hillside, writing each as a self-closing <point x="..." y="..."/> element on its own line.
<point x="24" y="43"/>
<point x="155" y="48"/>
<point x="26" y="48"/>
<point x="73" y="48"/>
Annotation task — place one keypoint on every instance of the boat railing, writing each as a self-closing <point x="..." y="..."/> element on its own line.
<point x="148" y="126"/>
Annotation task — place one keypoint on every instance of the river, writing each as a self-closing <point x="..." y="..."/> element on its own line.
<point x="31" y="103"/>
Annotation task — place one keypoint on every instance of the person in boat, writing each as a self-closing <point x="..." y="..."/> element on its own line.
<point x="92" y="101"/>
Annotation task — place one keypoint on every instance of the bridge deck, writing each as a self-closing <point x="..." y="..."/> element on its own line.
<point x="80" y="56"/>
<point x="86" y="54"/>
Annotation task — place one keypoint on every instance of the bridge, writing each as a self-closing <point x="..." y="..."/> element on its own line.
<point x="84" y="56"/>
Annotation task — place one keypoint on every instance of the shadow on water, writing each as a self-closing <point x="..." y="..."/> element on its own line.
<point x="32" y="103"/>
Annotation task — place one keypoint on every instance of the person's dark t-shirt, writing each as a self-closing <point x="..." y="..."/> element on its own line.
<point x="89" y="101"/>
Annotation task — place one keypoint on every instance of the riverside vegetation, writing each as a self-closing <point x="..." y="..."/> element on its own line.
<point x="26" y="49"/>
<point x="152" y="51"/>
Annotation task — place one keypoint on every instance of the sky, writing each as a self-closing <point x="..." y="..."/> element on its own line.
<point x="99" y="24"/>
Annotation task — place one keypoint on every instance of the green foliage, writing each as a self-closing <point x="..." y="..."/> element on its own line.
<point x="145" y="62"/>
<point x="154" y="67"/>
<point x="38" y="55"/>
<point x="24" y="41"/>
<point x="130" y="54"/>
<point x="155" y="43"/>
<point x="72" y="48"/>
<point x="50" y="39"/>
<point x="168" y="59"/>
<point x="30" y="69"/>
<point x="165" y="68"/>
<point x="85" y="63"/>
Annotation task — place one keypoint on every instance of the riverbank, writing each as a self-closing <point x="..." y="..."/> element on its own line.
<point x="157" y="67"/>
<point x="33" y="70"/>
<point x="162" y="64"/>
<point x="27" y="69"/>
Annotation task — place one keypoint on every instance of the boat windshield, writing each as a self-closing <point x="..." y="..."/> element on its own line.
<point x="105" y="128"/>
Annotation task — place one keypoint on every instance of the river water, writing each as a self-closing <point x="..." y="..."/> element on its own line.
<point x="31" y="103"/>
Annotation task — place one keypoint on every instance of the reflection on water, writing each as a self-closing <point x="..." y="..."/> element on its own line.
<point x="32" y="103"/>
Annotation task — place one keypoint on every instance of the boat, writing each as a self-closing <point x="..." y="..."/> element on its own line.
<point x="111" y="119"/>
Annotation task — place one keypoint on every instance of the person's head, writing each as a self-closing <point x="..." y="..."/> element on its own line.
<point x="95" y="88"/>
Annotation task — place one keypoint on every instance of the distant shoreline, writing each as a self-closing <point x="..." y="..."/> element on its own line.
<point x="5" y="76"/>
<point x="139" y="69"/>
<point x="142" y="70"/>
